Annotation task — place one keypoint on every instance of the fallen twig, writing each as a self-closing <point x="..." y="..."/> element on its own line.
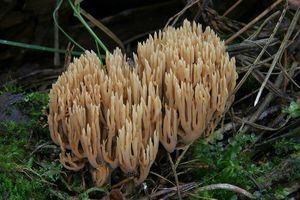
<point x="232" y="8"/>
<point x="248" y="45"/>
<point x="166" y="191"/>
<point x="225" y="186"/>
<point x="257" y="126"/>
<point x="175" y="176"/>
<point x="163" y="178"/>
<point x="181" y="155"/>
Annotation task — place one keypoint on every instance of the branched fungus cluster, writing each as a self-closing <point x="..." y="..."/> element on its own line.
<point x="115" y="115"/>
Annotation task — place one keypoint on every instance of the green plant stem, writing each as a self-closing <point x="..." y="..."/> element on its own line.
<point x="98" y="51"/>
<point x="37" y="47"/>
<point x="77" y="14"/>
<point x="56" y="23"/>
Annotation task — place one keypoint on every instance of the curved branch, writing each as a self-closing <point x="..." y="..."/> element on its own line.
<point x="226" y="186"/>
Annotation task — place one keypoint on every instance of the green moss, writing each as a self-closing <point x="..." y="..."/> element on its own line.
<point x="33" y="105"/>
<point x="15" y="182"/>
<point x="294" y="109"/>
<point x="17" y="179"/>
<point x="12" y="144"/>
<point x="227" y="164"/>
<point x="29" y="168"/>
<point x="17" y="186"/>
<point x="231" y="161"/>
<point x="10" y="88"/>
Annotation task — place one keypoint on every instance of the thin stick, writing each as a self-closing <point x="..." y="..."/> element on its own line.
<point x="232" y="7"/>
<point x="279" y="53"/>
<point x="175" y="176"/>
<point x="226" y="127"/>
<point x="122" y="182"/>
<point x="288" y="76"/>
<point x="257" y="126"/>
<point x="253" y="22"/>
<point x="225" y="186"/>
<point x="181" y="155"/>
<point x="39" y="147"/>
<point x="160" y="176"/>
<point x="184" y="187"/>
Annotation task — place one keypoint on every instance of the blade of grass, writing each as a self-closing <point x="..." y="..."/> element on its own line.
<point x="61" y="29"/>
<point x="76" y="12"/>
<point x="98" y="51"/>
<point x="56" y="59"/>
<point x="37" y="47"/>
<point x="102" y="27"/>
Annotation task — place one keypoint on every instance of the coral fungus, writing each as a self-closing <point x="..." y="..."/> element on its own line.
<point x="115" y="115"/>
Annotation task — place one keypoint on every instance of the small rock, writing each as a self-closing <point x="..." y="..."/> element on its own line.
<point x="9" y="110"/>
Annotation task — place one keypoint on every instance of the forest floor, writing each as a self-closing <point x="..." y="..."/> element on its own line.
<point x="255" y="151"/>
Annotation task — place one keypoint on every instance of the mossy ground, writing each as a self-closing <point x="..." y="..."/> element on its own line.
<point x="20" y="176"/>
<point x="29" y="166"/>
<point x="233" y="161"/>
